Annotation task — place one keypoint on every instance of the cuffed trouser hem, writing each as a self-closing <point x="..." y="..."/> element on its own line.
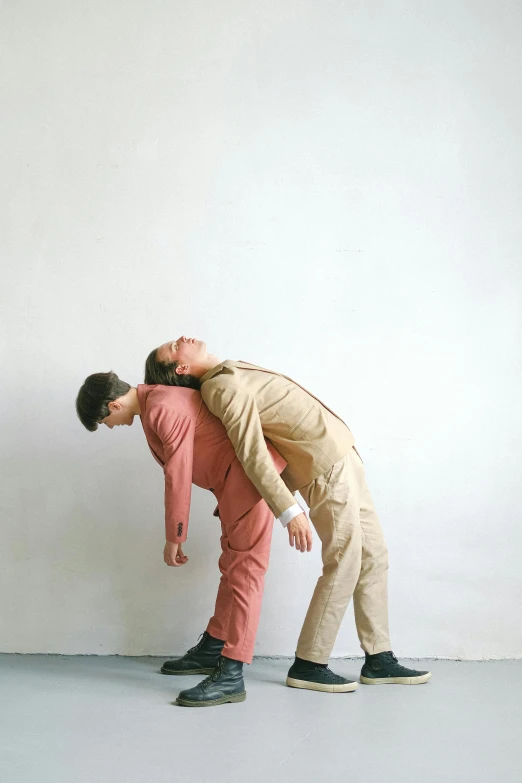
<point x="310" y="656"/>
<point x="228" y="651"/>
<point x="377" y="648"/>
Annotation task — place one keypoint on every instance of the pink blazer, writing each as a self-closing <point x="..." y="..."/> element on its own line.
<point x="192" y="447"/>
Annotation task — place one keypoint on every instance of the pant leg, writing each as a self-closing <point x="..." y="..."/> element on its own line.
<point x="219" y="622"/>
<point x="248" y="553"/>
<point x="370" y="598"/>
<point x="355" y="561"/>
<point x="334" y="502"/>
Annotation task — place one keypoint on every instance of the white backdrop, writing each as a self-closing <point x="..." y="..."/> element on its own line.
<point x="329" y="189"/>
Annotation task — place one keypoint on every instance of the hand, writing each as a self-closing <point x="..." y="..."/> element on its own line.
<point x="299" y="530"/>
<point x="173" y="554"/>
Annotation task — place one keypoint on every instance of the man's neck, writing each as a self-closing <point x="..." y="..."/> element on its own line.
<point x="207" y="364"/>
<point x="134" y="401"/>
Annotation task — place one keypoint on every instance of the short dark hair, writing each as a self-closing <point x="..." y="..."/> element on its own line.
<point x="92" y="402"/>
<point x="165" y="374"/>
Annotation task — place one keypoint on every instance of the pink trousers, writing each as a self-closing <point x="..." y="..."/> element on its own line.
<point x="245" y="546"/>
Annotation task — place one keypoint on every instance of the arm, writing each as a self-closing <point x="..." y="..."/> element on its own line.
<point x="176" y="432"/>
<point x="238" y="411"/>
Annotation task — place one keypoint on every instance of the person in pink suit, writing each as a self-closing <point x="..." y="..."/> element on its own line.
<point x="192" y="447"/>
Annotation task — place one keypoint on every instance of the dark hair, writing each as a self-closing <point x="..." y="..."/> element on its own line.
<point x="165" y="374"/>
<point x="92" y="402"/>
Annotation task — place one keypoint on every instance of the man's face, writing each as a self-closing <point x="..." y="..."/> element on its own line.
<point x="184" y="351"/>
<point x="120" y="414"/>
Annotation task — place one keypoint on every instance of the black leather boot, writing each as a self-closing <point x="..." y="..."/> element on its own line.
<point x="200" y="659"/>
<point x="225" y="684"/>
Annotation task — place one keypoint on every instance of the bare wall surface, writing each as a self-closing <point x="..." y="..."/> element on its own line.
<point x="329" y="189"/>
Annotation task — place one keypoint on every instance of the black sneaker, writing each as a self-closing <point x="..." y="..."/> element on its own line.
<point x="200" y="659"/>
<point x="314" y="677"/>
<point x="225" y="684"/>
<point x="384" y="668"/>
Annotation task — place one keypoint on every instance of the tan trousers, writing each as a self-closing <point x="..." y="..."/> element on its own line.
<point x="355" y="562"/>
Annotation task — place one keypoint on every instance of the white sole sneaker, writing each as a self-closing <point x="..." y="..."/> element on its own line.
<point x="319" y="686"/>
<point x="396" y="680"/>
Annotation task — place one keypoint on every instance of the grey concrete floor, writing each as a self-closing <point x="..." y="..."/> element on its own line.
<point x="80" y="719"/>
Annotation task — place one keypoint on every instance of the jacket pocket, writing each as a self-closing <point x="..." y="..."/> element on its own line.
<point x="301" y="429"/>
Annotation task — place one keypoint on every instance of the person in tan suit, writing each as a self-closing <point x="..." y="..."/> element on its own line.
<point x="324" y="466"/>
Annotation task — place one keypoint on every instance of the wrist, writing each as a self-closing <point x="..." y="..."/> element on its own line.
<point x="290" y="514"/>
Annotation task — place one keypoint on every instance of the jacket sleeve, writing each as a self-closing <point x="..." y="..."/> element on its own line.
<point x="237" y="409"/>
<point x="176" y="431"/>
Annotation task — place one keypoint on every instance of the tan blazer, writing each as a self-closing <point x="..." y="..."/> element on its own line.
<point x="254" y="403"/>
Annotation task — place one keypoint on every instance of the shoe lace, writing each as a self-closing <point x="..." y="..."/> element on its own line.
<point x="198" y="645"/>
<point x="389" y="657"/>
<point x="216" y="674"/>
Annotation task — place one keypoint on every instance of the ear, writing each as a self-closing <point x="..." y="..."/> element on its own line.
<point x="183" y="369"/>
<point x="114" y="406"/>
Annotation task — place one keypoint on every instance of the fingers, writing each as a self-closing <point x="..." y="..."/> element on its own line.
<point x="179" y="560"/>
<point x="296" y="539"/>
<point x="300" y="538"/>
<point x="308" y="540"/>
<point x="173" y="555"/>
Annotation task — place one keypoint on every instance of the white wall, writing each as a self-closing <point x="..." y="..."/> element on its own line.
<point x="331" y="189"/>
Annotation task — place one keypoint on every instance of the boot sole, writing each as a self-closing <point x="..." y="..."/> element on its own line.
<point x="187" y="671"/>
<point x="319" y="686"/>
<point x="237" y="697"/>
<point x="396" y="680"/>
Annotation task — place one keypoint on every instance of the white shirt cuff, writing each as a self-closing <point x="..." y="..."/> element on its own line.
<point x="290" y="513"/>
